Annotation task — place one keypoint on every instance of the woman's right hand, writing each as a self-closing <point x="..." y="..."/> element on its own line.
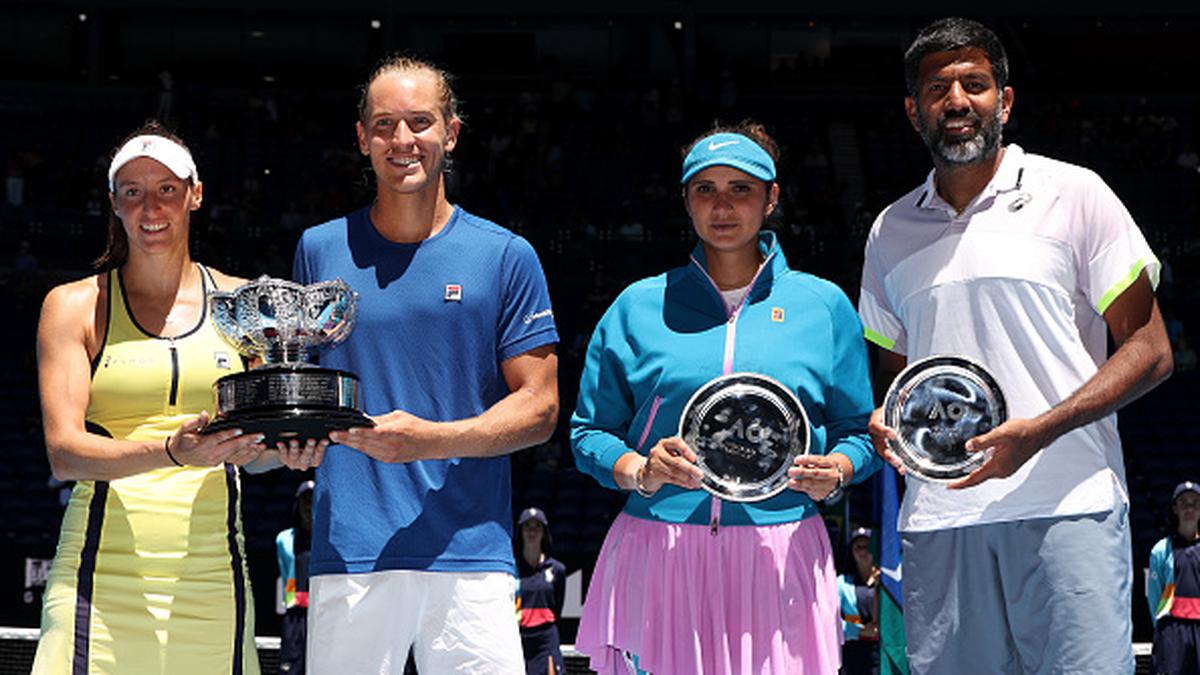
<point x="669" y="461"/>
<point x="188" y="446"/>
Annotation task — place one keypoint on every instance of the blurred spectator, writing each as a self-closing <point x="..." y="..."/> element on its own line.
<point x="1173" y="589"/>
<point x="292" y="549"/>
<point x="540" y="599"/>
<point x="857" y="588"/>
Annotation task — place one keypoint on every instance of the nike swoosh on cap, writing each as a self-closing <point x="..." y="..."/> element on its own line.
<point x="715" y="146"/>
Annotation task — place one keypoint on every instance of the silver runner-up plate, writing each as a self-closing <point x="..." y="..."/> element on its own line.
<point x="935" y="406"/>
<point x="746" y="430"/>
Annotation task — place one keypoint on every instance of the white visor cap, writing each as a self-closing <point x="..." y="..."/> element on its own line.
<point x="160" y="148"/>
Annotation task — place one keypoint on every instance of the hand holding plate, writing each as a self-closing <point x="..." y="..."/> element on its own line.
<point x="815" y="475"/>
<point x="670" y="461"/>
<point x="883" y="438"/>
<point x="1006" y="448"/>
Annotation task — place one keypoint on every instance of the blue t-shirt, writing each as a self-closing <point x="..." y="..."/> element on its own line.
<point x="435" y="321"/>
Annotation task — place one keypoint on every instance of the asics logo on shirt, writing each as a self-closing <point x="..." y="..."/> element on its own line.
<point x="530" y="318"/>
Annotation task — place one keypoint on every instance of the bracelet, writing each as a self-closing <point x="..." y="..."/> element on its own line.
<point x="638" y="487"/>
<point x="167" y="448"/>
<point x="837" y="490"/>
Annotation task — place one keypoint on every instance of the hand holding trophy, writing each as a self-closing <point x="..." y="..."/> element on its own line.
<point x="286" y="398"/>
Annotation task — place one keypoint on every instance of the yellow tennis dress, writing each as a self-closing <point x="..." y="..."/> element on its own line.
<point x="150" y="574"/>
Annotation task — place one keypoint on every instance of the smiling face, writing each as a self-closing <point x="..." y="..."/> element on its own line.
<point x="153" y="204"/>
<point x="728" y="206"/>
<point x="958" y="109"/>
<point x="405" y="131"/>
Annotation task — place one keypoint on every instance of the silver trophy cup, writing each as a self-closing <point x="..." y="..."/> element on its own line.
<point x="746" y="430"/>
<point x="281" y="323"/>
<point x="935" y="406"/>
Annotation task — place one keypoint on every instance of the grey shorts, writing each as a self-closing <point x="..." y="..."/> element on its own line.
<point x="1048" y="595"/>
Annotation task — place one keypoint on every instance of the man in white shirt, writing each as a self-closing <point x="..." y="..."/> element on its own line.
<point x="1023" y="264"/>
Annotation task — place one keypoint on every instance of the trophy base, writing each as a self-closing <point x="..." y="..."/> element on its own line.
<point x="292" y="424"/>
<point x="286" y="402"/>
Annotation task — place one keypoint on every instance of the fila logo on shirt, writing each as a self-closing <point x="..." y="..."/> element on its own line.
<point x="221" y="359"/>
<point x="453" y="293"/>
<point x="777" y="314"/>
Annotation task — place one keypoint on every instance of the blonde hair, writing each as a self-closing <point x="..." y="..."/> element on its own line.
<point x="396" y="64"/>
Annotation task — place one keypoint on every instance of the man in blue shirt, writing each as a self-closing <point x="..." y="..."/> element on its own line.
<point x="454" y="343"/>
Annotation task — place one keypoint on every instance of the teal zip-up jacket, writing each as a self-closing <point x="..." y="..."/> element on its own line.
<point x="1160" y="585"/>
<point x="666" y="336"/>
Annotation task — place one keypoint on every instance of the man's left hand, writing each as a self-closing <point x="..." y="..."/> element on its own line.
<point x="1011" y="445"/>
<point x="396" y="437"/>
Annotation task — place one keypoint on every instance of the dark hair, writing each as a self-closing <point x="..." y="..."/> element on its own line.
<point x="116" y="251"/>
<point x="949" y="34"/>
<point x="398" y="63"/>
<point x="748" y="128"/>
<point x="519" y="541"/>
<point x="846" y="564"/>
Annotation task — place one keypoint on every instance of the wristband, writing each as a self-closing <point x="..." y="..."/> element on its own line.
<point x="167" y="448"/>
<point x="638" y="486"/>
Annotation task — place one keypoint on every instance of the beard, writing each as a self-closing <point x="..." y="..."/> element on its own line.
<point x="962" y="151"/>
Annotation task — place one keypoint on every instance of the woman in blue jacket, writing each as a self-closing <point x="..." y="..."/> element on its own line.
<point x="686" y="582"/>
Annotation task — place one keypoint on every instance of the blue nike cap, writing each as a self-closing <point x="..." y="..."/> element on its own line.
<point x="860" y="532"/>
<point x="1185" y="486"/>
<point x="729" y="149"/>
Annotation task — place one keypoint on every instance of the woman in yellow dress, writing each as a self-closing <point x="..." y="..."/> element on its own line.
<point x="150" y="574"/>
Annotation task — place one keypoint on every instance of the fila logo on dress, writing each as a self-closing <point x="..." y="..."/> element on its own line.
<point x="453" y="293"/>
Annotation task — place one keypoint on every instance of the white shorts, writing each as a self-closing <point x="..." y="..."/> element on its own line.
<point x="454" y="623"/>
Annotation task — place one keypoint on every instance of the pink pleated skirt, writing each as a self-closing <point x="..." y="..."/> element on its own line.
<point x="687" y="602"/>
